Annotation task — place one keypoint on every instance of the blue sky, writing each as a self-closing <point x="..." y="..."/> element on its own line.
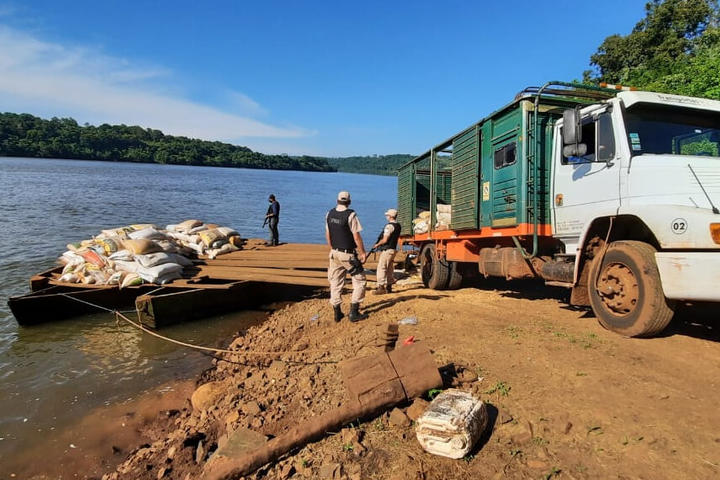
<point x="319" y="78"/>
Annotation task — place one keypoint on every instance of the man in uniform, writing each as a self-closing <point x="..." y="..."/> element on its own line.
<point x="387" y="244"/>
<point x="347" y="253"/>
<point x="273" y="217"/>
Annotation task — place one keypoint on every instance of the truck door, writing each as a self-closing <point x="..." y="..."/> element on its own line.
<point x="585" y="187"/>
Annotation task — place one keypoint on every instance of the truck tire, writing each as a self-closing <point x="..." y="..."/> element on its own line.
<point x="435" y="273"/>
<point x="626" y="292"/>
<point x="456" y="276"/>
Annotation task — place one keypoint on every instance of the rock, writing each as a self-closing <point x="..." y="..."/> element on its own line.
<point x="567" y="428"/>
<point x="251" y="409"/>
<point x="398" y="418"/>
<point x="232" y="418"/>
<point x="504" y="417"/>
<point x="416" y="410"/>
<point x="330" y="471"/>
<point x="238" y="442"/>
<point x="351" y="435"/>
<point x="171" y="452"/>
<point x="206" y="395"/>
<point x="200" y="453"/>
<point x="286" y="471"/>
<point x="162" y="472"/>
<point x="257" y="422"/>
<point x="277" y="370"/>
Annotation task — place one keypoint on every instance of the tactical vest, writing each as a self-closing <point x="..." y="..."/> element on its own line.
<point x="338" y="223"/>
<point x="392" y="240"/>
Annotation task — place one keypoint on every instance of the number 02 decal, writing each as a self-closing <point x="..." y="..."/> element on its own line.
<point x="679" y="226"/>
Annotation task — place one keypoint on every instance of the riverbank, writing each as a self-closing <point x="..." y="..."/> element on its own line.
<point x="569" y="399"/>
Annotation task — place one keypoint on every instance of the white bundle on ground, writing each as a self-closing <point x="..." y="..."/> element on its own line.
<point x="140" y="253"/>
<point x="452" y="424"/>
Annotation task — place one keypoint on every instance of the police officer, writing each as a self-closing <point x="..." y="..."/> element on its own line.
<point x="347" y="252"/>
<point x="387" y="245"/>
<point x="273" y="217"/>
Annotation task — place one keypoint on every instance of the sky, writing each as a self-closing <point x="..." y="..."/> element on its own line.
<point x="331" y="78"/>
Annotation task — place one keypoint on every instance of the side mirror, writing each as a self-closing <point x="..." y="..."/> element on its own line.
<point x="572" y="134"/>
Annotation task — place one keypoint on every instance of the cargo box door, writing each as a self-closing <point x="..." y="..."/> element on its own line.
<point x="465" y="179"/>
<point x="504" y="189"/>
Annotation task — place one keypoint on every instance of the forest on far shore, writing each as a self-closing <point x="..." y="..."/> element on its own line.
<point x="25" y="135"/>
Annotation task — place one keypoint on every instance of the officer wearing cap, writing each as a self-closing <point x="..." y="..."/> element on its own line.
<point x="342" y="232"/>
<point x="387" y="245"/>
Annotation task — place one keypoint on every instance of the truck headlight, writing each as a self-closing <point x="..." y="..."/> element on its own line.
<point x="715" y="232"/>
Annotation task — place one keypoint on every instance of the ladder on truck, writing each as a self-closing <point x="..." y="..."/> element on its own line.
<point x="583" y="94"/>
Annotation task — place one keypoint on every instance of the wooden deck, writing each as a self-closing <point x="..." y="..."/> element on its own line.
<point x="292" y="263"/>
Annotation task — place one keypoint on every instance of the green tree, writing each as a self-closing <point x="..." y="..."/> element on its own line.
<point x="674" y="40"/>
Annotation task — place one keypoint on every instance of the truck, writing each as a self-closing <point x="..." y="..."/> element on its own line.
<point x="605" y="190"/>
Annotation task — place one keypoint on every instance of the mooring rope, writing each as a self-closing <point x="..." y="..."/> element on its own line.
<point x="120" y="315"/>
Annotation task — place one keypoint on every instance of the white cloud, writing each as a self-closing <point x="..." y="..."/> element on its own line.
<point x="245" y="105"/>
<point x="51" y="79"/>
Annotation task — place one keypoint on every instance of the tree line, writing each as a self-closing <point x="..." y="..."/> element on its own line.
<point x="25" y="135"/>
<point x="375" y="164"/>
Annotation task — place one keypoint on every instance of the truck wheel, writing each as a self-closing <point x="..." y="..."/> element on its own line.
<point x="628" y="297"/>
<point x="435" y="273"/>
<point x="456" y="275"/>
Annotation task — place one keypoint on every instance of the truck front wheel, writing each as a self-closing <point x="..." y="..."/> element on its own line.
<point x="626" y="292"/>
<point x="435" y="272"/>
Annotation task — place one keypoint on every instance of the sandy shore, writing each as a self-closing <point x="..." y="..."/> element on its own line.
<point x="568" y="399"/>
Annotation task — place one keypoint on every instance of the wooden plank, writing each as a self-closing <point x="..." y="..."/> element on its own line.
<point x="217" y="271"/>
<point x="56" y="303"/>
<point x="170" y="305"/>
<point x="189" y="283"/>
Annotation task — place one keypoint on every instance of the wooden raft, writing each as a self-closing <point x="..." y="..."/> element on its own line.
<point x="237" y="280"/>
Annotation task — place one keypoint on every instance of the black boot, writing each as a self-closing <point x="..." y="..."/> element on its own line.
<point x="338" y="313"/>
<point x="355" y="314"/>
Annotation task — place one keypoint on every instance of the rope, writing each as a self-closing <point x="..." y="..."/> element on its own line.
<point x="120" y="315"/>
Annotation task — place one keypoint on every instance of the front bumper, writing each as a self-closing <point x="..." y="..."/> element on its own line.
<point x="690" y="275"/>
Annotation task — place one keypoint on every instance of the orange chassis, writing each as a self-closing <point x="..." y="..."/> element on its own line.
<point x="464" y="246"/>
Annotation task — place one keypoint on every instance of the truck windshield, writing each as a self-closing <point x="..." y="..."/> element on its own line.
<point x="671" y="130"/>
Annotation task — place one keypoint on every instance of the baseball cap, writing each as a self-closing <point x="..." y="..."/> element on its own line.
<point x="344" y="196"/>
<point x="391" y="212"/>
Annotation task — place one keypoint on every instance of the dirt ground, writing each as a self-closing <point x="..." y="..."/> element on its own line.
<point x="567" y="399"/>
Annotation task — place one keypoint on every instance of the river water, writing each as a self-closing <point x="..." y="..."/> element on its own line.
<point x="53" y="374"/>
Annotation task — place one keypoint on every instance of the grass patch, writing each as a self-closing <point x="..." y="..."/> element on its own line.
<point x="501" y="388"/>
<point x="554" y="471"/>
<point x="433" y="392"/>
<point x="513" y="331"/>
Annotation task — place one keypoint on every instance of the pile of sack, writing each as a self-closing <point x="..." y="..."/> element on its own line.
<point x="142" y="253"/>
<point x="443" y="219"/>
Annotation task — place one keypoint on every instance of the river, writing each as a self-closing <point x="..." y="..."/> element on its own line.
<point x="53" y="374"/>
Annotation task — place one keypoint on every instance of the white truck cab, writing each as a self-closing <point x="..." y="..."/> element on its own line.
<point x="636" y="182"/>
